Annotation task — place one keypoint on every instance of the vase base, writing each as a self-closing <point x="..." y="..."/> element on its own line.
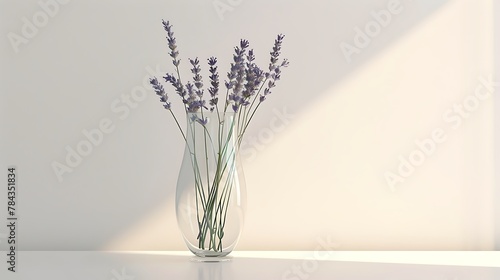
<point x="211" y="259"/>
<point x="209" y="255"/>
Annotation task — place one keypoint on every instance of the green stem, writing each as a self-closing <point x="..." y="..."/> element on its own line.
<point x="216" y="202"/>
<point x="179" y="126"/>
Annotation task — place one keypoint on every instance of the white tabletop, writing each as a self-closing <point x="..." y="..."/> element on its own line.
<point x="302" y="265"/>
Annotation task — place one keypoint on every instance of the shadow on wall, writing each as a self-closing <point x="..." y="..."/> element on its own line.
<point x="330" y="40"/>
<point x="325" y="41"/>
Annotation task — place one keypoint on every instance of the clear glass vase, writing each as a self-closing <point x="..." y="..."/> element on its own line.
<point x="211" y="195"/>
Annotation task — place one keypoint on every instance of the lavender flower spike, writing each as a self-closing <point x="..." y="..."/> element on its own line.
<point x="253" y="76"/>
<point x="194" y="103"/>
<point x="274" y="73"/>
<point x="238" y="74"/>
<point x="172" y="44"/>
<point x="202" y="121"/>
<point x="198" y="82"/>
<point x="179" y="88"/>
<point x="160" y="91"/>
<point x="214" y="82"/>
<point x="276" y="51"/>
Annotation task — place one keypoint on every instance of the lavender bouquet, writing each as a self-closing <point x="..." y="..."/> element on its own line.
<point x="208" y="211"/>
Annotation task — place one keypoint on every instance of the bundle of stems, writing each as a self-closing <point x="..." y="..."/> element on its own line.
<point x="214" y="158"/>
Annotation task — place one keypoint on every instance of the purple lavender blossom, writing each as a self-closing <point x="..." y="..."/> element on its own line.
<point x="285" y="63"/>
<point x="231" y="75"/>
<point x="172" y="44"/>
<point x="202" y="121"/>
<point x="194" y="103"/>
<point x="198" y="81"/>
<point x="239" y="59"/>
<point x="276" y="51"/>
<point x="254" y="76"/>
<point x="179" y="88"/>
<point x="237" y="74"/>
<point x="250" y="56"/>
<point x="274" y="73"/>
<point x="160" y="91"/>
<point x="214" y="82"/>
<point x="245" y="83"/>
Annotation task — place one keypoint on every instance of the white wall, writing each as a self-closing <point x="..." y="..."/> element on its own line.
<point x="497" y="127"/>
<point x="318" y="176"/>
